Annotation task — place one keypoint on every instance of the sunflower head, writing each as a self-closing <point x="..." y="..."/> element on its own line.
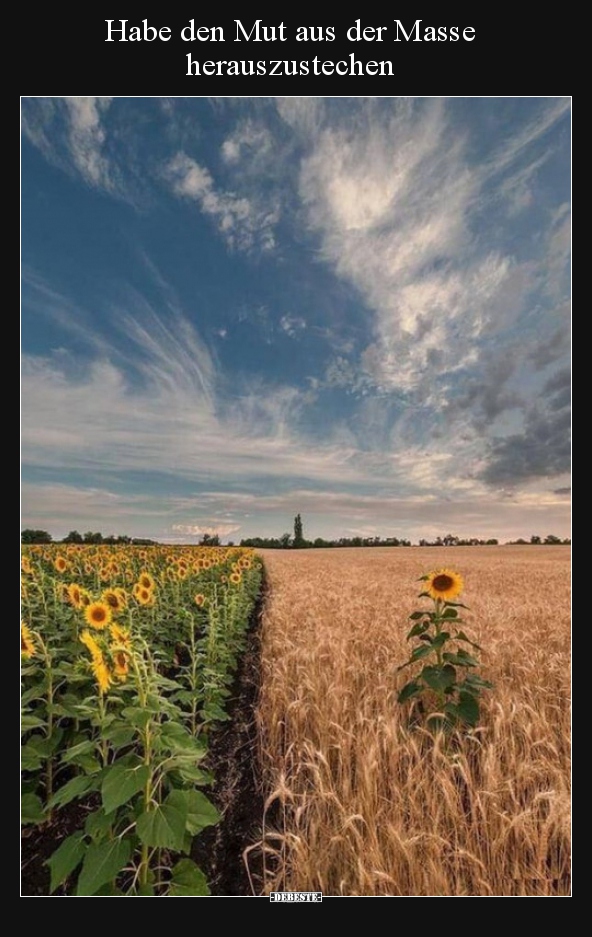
<point x="199" y="599"/>
<point x="144" y="596"/>
<point x="98" y="664"/>
<point x="85" y="598"/>
<point x="75" y="595"/>
<point x="120" y="665"/>
<point x="443" y="584"/>
<point x="122" y="596"/>
<point x="112" y="598"/>
<point x="120" y="636"/>
<point x="146" y="581"/>
<point x="98" y="615"/>
<point x="60" y="564"/>
<point x="89" y="642"/>
<point x="28" y="648"/>
<point x="235" y="578"/>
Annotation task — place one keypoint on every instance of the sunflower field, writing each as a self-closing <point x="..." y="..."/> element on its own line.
<point x="128" y="655"/>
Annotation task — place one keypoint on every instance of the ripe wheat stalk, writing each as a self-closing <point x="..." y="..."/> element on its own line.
<point x="360" y="805"/>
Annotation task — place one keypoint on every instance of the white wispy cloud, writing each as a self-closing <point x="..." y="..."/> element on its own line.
<point x="326" y="512"/>
<point x="391" y="202"/>
<point x="164" y="421"/>
<point x="396" y="203"/>
<point x="244" y="223"/>
<point x="198" y="530"/>
<point x="292" y="325"/>
<point x="519" y="142"/>
<point x="87" y="136"/>
<point x="70" y="132"/>
<point x="248" y="138"/>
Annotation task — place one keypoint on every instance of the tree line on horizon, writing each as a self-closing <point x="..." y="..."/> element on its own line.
<point x="42" y="536"/>
<point x="295" y="541"/>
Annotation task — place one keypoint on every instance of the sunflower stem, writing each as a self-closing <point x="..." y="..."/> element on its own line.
<point x="438" y="625"/>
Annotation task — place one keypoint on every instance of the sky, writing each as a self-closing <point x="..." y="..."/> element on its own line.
<point x="239" y="309"/>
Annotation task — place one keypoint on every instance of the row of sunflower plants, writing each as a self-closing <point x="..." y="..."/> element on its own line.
<point x="128" y="655"/>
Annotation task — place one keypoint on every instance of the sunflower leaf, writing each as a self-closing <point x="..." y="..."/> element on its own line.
<point x="441" y="639"/>
<point x="468" y="708"/>
<point x="439" y="678"/>
<point x="102" y="863"/>
<point x="31" y="809"/>
<point x="65" y="859"/>
<point x="460" y="659"/>
<point x="474" y="680"/>
<point x="121" y="783"/>
<point x="73" y="788"/>
<point x="188" y="880"/>
<point x="461" y="636"/>
<point x="200" y="811"/>
<point x="164" y="826"/>
<point x="410" y="689"/>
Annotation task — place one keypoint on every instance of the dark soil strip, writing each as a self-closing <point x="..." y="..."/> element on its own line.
<point x="237" y="791"/>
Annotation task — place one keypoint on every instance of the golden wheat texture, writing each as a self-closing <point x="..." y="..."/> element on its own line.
<point x="359" y="804"/>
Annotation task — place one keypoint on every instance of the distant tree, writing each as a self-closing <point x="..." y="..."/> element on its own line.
<point x="210" y="540"/>
<point x="73" y="537"/>
<point x="91" y="537"/>
<point x="35" y="536"/>
<point x="552" y="539"/>
<point x="493" y="542"/>
<point x="298" y="534"/>
<point x="231" y="543"/>
<point x="285" y="541"/>
<point x="535" y="539"/>
<point x="450" y="540"/>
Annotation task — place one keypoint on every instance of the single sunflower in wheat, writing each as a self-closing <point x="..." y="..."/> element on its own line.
<point x="444" y="584"/>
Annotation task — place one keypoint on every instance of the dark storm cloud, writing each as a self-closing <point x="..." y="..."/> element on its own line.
<point x="548" y="350"/>
<point x="558" y="384"/>
<point x="542" y="449"/>
<point x="488" y="396"/>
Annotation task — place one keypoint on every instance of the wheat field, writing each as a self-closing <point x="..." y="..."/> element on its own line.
<point x="357" y="803"/>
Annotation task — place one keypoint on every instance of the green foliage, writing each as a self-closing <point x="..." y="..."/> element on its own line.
<point x="131" y="753"/>
<point x="445" y="693"/>
<point x="35" y="536"/>
<point x="298" y="534"/>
